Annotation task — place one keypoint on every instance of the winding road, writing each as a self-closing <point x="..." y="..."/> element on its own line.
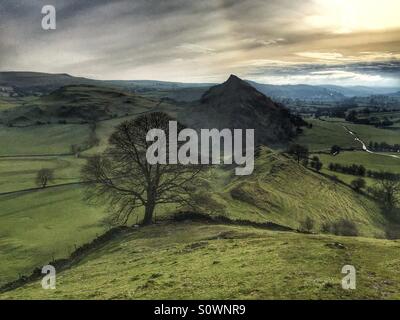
<point x="356" y="138"/>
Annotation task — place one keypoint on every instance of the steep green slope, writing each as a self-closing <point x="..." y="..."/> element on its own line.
<point x="196" y="261"/>
<point x="284" y="192"/>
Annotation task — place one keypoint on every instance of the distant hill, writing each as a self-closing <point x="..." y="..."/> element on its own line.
<point x="37" y="83"/>
<point x="395" y="94"/>
<point x="156" y="85"/>
<point x="299" y="91"/>
<point x="361" y="91"/>
<point x="236" y="104"/>
<point x="78" y="103"/>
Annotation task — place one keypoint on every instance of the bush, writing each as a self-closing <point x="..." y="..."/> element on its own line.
<point x="358" y="184"/>
<point x="334" y="179"/>
<point x="304" y="162"/>
<point x="335" y="149"/>
<point x="316" y="163"/>
<point x="204" y="203"/>
<point x="307" y="224"/>
<point x="342" y="227"/>
<point x="326" y="227"/>
<point x="345" y="227"/>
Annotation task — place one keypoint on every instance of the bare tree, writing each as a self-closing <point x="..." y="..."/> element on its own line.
<point x="43" y="177"/>
<point x="123" y="178"/>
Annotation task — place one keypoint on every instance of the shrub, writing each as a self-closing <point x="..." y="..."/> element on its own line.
<point x="345" y="227"/>
<point x="316" y="163"/>
<point x="304" y="162"/>
<point x="326" y="227"/>
<point x="358" y="184"/>
<point x="206" y="204"/>
<point x="334" y="178"/>
<point x="307" y="224"/>
<point x="342" y="227"/>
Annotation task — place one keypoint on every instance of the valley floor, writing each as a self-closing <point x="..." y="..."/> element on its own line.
<point x="190" y="260"/>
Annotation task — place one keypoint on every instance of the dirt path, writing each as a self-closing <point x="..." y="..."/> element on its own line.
<point x="365" y="148"/>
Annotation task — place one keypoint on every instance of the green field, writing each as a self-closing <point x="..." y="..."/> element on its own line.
<point x="58" y="218"/>
<point x="370" y="161"/>
<point x="7" y="103"/>
<point x="326" y="133"/>
<point x="373" y="162"/>
<point x="45" y="139"/>
<point x="40" y="225"/>
<point x="192" y="260"/>
<point x="393" y="116"/>
<point x="19" y="173"/>
<point x="197" y="261"/>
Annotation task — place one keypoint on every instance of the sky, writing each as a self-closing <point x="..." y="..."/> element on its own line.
<point x="342" y="42"/>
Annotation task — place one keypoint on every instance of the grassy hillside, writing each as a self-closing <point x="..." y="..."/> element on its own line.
<point x="281" y="191"/>
<point x="33" y="83"/>
<point x="77" y="104"/>
<point x="275" y="192"/>
<point x="36" y="226"/>
<point x="188" y="260"/>
<point x="197" y="261"/>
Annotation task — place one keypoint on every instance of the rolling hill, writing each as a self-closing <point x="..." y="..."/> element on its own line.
<point x="284" y="192"/>
<point x="38" y="83"/>
<point x="77" y="103"/>
<point x="299" y="91"/>
<point x="187" y="259"/>
<point x="212" y="261"/>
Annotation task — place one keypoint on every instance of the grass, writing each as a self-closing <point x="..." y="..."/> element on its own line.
<point x="20" y="173"/>
<point x="284" y="192"/>
<point x="324" y="134"/>
<point x="45" y="139"/>
<point x="7" y="103"/>
<point x="196" y="261"/>
<point x="58" y="218"/>
<point x="393" y="116"/>
<point x="164" y="261"/>
<point x="38" y="225"/>
<point x="370" y="161"/>
<point x="370" y="133"/>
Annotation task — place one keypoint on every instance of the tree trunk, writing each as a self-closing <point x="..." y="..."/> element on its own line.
<point x="148" y="213"/>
